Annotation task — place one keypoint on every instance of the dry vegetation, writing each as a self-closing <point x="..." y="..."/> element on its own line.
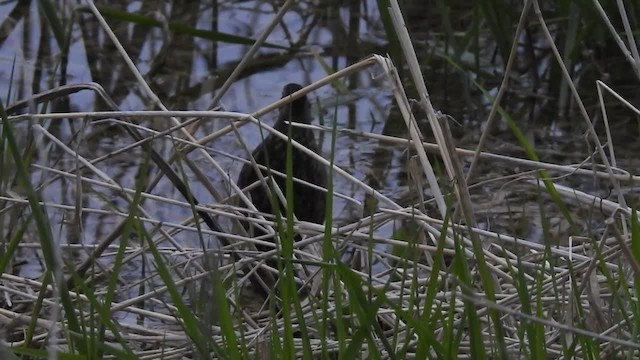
<point x="450" y="289"/>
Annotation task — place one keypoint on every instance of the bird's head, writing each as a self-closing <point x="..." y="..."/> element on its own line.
<point x="298" y="110"/>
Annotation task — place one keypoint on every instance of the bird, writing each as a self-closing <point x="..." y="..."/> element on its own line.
<point x="308" y="203"/>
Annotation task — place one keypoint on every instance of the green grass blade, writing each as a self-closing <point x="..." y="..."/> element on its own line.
<point x="216" y="36"/>
<point x="55" y="23"/>
<point x="432" y="288"/>
<point x="365" y="311"/>
<point x="10" y="249"/>
<point x="463" y="273"/>
<point x="189" y="322"/>
<point x="328" y="251"/>
<point x="393" y="44"/>
<point x="43" y="228"/>
<point x="635" y="235"/>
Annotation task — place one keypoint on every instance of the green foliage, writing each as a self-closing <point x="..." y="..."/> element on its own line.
<point x="423" y="304"/>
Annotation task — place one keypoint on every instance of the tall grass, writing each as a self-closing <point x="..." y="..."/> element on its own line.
<point x="443" y="287"/>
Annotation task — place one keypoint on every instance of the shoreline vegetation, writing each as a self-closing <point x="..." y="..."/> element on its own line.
<point x="455" y="277"/>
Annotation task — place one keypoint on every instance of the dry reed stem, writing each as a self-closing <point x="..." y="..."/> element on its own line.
<point x="503" y="259"/>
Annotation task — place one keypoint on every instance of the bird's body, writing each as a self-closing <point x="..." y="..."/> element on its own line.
<point x="308" y="203"/>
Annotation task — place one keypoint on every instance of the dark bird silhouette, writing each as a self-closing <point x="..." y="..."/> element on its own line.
<point x="308" y="203"/>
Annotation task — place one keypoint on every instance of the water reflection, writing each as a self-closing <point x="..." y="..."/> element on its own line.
<point x="185" y="70"/>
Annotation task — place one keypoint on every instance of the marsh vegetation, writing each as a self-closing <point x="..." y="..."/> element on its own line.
<point x="482" y="162"/>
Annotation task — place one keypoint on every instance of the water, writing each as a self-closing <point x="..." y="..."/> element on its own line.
<point x="185" y="72"/>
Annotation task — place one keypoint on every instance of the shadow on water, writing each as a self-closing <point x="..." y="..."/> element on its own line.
<point x="185" y="71"/>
